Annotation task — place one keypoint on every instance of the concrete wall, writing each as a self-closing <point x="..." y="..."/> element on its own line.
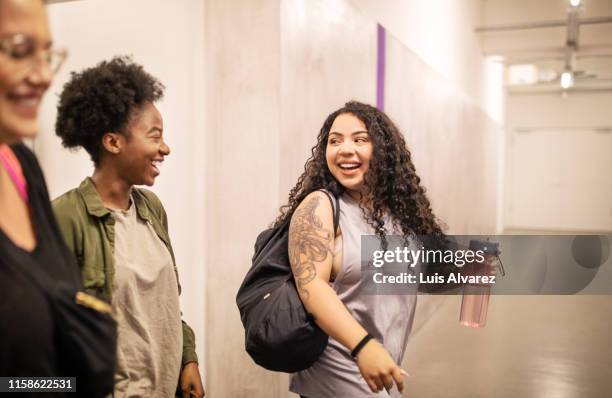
<point x="243" y="165"/>
<point x="453" y="141"/>
<point x="328" y="57"/>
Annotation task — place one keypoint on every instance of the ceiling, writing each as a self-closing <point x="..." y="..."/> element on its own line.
<point x="536" y="34"/>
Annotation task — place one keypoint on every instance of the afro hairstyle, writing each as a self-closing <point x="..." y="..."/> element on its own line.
<point x="102" y="99"/>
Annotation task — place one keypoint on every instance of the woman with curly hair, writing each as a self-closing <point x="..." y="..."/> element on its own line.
<point x="362" y="158"/>
<point x="119" y="233"/>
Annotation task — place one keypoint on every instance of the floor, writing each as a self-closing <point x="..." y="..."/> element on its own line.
<point x="532" y="346"/>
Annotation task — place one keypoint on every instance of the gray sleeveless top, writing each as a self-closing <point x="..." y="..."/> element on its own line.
<point x="388" y="318"/>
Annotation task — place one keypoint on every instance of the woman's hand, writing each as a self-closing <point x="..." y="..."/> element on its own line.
<point x="378" y="368"/>
<point x="191" y="383"/>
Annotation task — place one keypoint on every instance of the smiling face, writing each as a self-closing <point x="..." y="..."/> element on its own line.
<point x="23" y="23"/>
<point x="139" y="153"/>
<point x="348" y="152"/>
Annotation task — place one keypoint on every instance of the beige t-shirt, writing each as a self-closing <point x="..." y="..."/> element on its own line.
<point x="146" y="304"/>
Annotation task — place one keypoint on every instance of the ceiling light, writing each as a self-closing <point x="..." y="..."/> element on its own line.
<point x="575" y="3"/>
<point x="567" y="80"/>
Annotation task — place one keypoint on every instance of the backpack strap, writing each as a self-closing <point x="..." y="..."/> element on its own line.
<point x="335" y="207"/>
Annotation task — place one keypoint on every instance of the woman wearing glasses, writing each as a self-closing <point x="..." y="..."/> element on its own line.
<point x="35" y="264"/>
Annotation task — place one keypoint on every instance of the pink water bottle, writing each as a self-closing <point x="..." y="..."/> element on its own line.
<point x="475" y="301"/>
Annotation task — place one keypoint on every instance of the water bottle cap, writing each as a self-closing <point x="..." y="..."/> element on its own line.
<point x="485" y="246"/>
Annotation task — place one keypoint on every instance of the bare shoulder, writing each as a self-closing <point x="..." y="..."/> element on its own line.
<point x="311" y="241"/>
<point x="316" y="209"/>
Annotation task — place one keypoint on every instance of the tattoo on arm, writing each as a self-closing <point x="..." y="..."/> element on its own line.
<point x="309" y="242"/>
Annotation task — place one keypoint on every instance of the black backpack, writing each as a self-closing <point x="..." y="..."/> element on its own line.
<point x="280" y="334"/>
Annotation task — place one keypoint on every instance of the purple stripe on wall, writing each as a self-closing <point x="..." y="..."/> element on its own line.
<point x="380" y="69"/>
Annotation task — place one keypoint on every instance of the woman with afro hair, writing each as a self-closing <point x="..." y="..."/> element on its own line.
<point x="119" y="233"/>
<point x="361" y="158"/>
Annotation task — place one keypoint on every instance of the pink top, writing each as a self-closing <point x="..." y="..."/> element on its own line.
<point x="13" y="168"/>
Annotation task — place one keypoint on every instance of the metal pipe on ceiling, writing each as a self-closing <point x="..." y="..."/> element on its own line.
<point x="542" y="24"/>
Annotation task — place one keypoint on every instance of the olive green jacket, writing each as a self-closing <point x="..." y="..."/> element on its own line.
<point x="89" y="231"/>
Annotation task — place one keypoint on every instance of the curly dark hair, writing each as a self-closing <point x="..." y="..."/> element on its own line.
<point x="391" y="181"/>
<point x="102" y="99"/>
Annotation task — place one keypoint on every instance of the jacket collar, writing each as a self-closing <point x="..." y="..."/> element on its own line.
<point x="96" y="208"/>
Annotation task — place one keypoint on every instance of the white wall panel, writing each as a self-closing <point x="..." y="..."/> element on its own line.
<point x="561" y="180"/>
<point x="559" y="165"/>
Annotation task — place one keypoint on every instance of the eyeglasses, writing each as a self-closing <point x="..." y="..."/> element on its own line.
<point x="22" y="49"/>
